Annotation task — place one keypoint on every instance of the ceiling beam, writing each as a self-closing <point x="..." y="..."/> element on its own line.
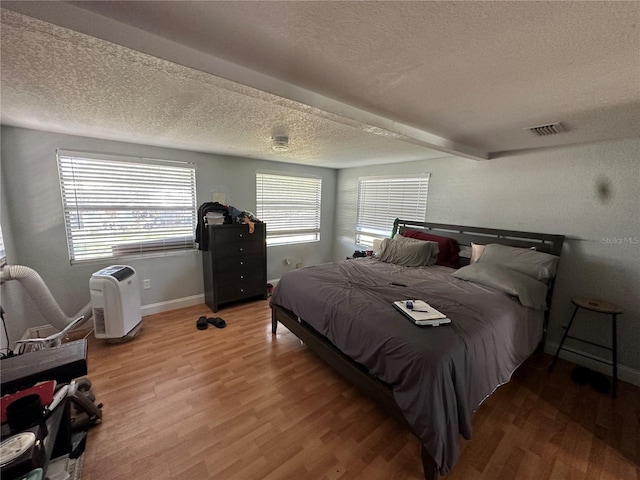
<point x="80" y="20"/>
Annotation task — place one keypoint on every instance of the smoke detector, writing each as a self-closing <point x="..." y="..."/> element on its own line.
<point x="549" y="129"/>
<point x="280" y="143"/>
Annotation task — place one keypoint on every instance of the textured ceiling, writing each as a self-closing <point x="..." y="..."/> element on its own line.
<point x="350" y="82"/>
<point x="58" y="80"/>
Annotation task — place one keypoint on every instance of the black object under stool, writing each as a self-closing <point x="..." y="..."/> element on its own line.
<point x="599" y="381"/>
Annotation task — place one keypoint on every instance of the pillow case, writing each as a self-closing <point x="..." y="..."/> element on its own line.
<point x="408" y="252"/>
<point x="538" y="265"/>
<point x="434" y="248"/>
<point x="476" y="251"/>
<point x="449" y="250"/>
<point x="377" y="243"/>
<point x="530" y="292"/>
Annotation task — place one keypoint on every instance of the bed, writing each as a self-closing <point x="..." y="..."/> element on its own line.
<point x="430" y="378"/>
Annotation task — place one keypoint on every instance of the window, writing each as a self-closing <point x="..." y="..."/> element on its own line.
<point x="290" y="206"/>
<point x="383" y="199"/>
<point x="115" y="206"/>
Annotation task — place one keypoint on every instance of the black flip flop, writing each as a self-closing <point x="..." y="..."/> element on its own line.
<point x="217" y="322"/>
<point x="201" y="324"/>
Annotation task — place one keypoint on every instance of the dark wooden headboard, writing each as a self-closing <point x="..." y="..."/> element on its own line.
<point x="543" y="242"/>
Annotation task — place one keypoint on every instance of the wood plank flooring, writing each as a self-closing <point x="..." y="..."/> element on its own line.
<point x="238" y="403"/>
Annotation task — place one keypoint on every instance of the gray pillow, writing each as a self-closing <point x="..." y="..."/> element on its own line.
<point x="538" y="265"/>
<point x="529" y="291"/>
<point x="408" y="252"/>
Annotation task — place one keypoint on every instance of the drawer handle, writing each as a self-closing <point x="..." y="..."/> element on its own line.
<point x="241" y="249"/>
<point x="241" y="277"/>
<point x="242" y="290"/>
<point x="241" y="263"/>
<point x="241" y="235"/>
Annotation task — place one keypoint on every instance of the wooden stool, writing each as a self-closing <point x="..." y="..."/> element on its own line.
<point x="598" y="306"/>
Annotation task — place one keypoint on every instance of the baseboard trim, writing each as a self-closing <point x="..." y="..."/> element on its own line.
<point x="626" y="374"/>
<point x="172" y="304"/>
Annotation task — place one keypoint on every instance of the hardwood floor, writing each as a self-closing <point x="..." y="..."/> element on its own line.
<point x="238" y="403"/>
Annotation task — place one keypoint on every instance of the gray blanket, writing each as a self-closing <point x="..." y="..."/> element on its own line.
<point x="439" y="375"/>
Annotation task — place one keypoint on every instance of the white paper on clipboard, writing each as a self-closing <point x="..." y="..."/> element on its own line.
<point x="422" y="313"/>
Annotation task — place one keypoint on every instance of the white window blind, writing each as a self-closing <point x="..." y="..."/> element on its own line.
<point x="290" y="206"/>
<point x="383" y="199"/>
<point x="3" y="257"/>
<point x="115" y="206"/>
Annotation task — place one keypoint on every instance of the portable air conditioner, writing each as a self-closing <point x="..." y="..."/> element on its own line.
<point x="115" y="301"/>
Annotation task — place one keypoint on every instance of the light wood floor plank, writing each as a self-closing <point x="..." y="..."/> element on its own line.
<point x="240" y="404"/>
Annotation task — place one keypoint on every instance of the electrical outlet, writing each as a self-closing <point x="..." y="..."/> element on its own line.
<point x="146" y="283"/>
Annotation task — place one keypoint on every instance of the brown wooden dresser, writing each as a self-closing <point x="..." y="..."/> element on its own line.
<point x="235" y="264"/>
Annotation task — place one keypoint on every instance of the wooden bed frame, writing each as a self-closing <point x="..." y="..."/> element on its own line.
<point x="356" y="373"/>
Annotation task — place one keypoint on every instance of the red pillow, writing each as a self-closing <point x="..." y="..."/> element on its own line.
<point x="448" y="256"/>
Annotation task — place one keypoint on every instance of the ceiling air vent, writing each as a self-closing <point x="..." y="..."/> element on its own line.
<point x="544" y="130"/>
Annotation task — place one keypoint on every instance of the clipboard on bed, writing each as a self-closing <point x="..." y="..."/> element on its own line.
<point x="421" y="313"/>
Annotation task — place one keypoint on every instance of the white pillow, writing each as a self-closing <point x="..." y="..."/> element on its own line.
<point x="538" y="265"/>
<point x="530" y="292"/>
<point x="476" y="251"/>
<point x="377" y="242"/>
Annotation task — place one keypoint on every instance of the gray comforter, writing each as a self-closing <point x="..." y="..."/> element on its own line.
<point x="439" y="375"/>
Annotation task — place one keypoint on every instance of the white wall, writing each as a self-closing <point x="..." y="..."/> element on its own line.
<point x="551" y="191"/>
<point x="33" y="223"/>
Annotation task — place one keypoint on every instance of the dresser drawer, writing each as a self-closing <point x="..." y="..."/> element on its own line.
<point x="230" y="292"/>
<point x="237" y="264"/>
<point x="237" y="234"/>
<point x="239" y="249"/>
<point x="240" y="275"/>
